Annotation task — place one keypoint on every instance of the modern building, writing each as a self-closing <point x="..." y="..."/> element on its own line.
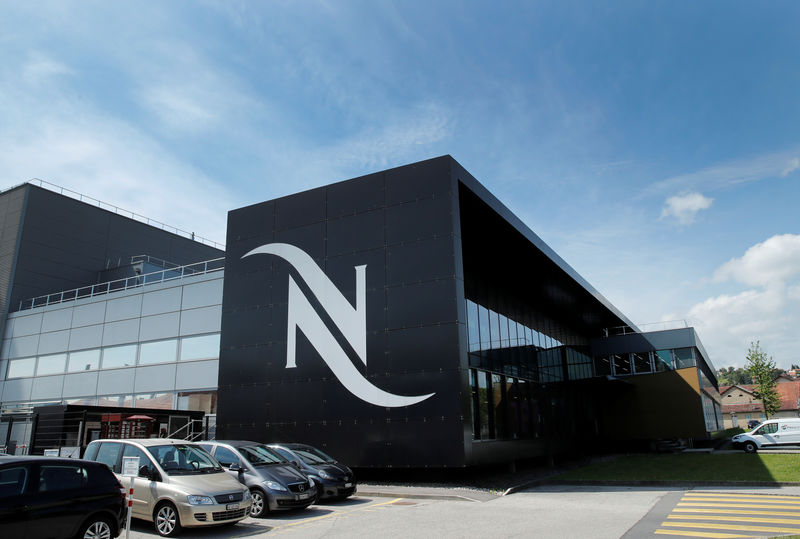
<point x="404" y="318"/>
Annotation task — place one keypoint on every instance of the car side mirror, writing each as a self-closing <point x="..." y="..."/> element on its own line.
<point x="296" y="464"/>
<point x="147" y="472"/>
<point x="236" y="468"/>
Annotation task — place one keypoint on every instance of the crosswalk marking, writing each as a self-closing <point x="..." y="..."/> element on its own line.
<point x="700" y="534"/>
<point x="725" y="515"/>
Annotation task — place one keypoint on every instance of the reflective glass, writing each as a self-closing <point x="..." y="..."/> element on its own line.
<point x="483" y="318"/>
<point x="641" y="362"/>
<point x="119" y="356"/>
<point x="622" y="364"/>
<point x="499" y="406"/>
<point x="203" y="347"/>
<point x="473" y="333"/>
<point x="158" y="352"/>
<point x="663" y="360"/>
<point x="161" y="401"/>
<point x="86" y="360"/>
<point x="684" y="357"/>
<point x="53" y="364"/>
<point x="494" y="328"/>
<point x="504" y="336"/>
<point x="485" y="405"/>
<point x="19" y="368"/>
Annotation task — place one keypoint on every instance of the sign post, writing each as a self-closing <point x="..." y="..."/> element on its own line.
<point x="130" y="468"/>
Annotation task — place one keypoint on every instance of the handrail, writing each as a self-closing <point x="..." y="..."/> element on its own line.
<point x="89" y="291"/>
<point x="663" y="326"/>
<point x="119" y="211"/>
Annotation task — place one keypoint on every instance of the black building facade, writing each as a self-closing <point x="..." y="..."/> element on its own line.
<point x="407" y="318"/>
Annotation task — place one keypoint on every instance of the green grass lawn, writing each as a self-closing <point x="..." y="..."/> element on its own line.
<point x="691" y="467"/>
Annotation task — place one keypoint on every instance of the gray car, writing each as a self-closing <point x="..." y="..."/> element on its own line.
<point x="274" y="482"/>
<point x="333" y="479"/>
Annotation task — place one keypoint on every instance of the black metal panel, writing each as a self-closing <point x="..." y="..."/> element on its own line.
<point x="399" y="224"/>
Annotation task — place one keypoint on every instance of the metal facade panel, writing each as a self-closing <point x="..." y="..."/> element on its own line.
<point x="202" y="294"/>
<point x="201" y="320"/>
<point x="80" y="384"/>
<point x="162" y="301"/>
<point x="17" y="390"/>
<point x="53" y="342"/>
<point x="124" y="331"/>
<point x="57" y="320"/>
<point x="47" y="388"/>
<point x="23" y="346"/>
<point x="330" y="391"/>
<point x="89" y="314"/>
<point x="197" y="374"/>
<point x="162" y="326"/>
<point x="29" y="324"/>
<point x="86" y="337"/>
<point x="123" y="308"/>
<point x="116" y="382"/>
<point x="155" y="378"/>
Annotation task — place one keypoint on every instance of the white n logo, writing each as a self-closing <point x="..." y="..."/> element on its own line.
<point x="352" y="322"/>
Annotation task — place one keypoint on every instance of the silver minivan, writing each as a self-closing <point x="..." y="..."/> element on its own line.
<point x="179" y="483"/>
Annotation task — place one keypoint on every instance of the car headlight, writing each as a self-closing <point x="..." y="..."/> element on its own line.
<point x="199" y="500"/>
<point x="325" y="475"/>
<point x="275" y="486"/>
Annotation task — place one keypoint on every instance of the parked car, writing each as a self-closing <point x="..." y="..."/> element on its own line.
<point x="273" y="481"/>
<point x="333" y="479"/>
<point x="179" y="483"/>
<point x="51" y="497"/>
<point x="753" y="423"/>
<point x="771" y="433"/>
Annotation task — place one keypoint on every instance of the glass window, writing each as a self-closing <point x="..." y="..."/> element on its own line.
<point x="483" y="318"/>
<point x="161" y="401"/>
<point x="529" y="336"/>
<point x="487" y="429"/>
<point x="473" y="333"/>
<point x="504" y="336"/>
<point x="475" y="402"/>
<point x="19" y="368"/>
<point x="225" y="456"/>
<point x="684" y="357"/>
<point x="622" y="364"/>
<point x="198" y="400"/>
<point x="86" y="360"/>
<point x="12" y="481"/>
<point x="203" y="347"/>
<point x="663" y="360"/>
<point x="158" y="352"/>
<point x="499" y="402"/>
<point x="119" y="356"/>
<point x="108" y="454"/>
<point x="641" y="362"/>
<point x="494" y="328"/>
<point x="126" y="401"/>
<point x="54" y="477"/>
<point x="144" y="460"/>
<point x="53" y="364"/>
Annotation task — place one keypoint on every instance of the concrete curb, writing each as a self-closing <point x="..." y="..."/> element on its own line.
<point x="389" y="494"/>
<point x="683" y="484"/>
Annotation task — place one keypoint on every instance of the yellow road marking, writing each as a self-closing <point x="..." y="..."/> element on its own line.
<point x="774" y="529"/>
<point x="700" y="534"/>
<point x="329" y="515"/>
<point x="740" y="519"/>
<point x="734" y="495"/>
<point x="738" y="512"/>
<point x="741" y="500"/>
<point x="733" y="505"/>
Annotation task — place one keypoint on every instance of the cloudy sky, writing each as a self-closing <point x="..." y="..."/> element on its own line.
<point x="655" y="145"/>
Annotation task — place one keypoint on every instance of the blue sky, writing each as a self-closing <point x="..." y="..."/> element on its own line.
<point x="654" y="145"/>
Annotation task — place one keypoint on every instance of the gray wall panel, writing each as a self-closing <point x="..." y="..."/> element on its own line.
<point x="86" y="337"/>
<point x="47" y="388"/>
<point x="116" y="382"/>
<point x="79" y="385"/>
<point x="203" y="320"/>
<point x="23" y="346"/>
<point x="162" y="301"/>
<point x="155" y="378"/>
<point x="9" y="330"/>
<point x="197" y="375"/>
<point x="57" y="320"/>
<point x="53" y="342"/>
<point x="29" y="324"/>
<point x="17" y="390"/>
<point x="126" y="331"/>
<point x="124" y="308"/>
<point x="202" y="294"/>
<point x="89" y="314"/>
<point x="161" y="326"/>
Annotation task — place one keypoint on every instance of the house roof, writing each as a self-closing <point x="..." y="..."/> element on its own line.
<point x="788" y="391"/>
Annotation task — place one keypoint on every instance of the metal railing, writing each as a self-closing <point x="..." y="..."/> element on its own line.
<point x="119" y="211"/>
<point x="89" y="291"/>
<point x="650" y="326"/>
<point x="194" y="430"/>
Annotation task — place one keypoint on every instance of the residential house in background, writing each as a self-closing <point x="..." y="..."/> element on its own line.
<point x="740" y="404"/>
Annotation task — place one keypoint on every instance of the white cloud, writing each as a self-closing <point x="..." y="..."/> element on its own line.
<point x="791" y="166"/>
<point x="685" y="207"/>
<point x="767" y="311"/>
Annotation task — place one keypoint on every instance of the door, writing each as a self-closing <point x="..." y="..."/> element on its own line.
<point x="143" y="486"/>
<point x="765" y="435"/>
<point x="14" y="478"/>
<point x="59" y="505"/>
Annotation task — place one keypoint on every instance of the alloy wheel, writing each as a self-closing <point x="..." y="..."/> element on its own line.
<point x="98" y="530"/>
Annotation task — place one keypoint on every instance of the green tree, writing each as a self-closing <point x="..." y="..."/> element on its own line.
<point x="761" y="369"/>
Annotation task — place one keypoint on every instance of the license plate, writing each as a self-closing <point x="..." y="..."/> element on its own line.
<point x="348" y="485"/>
<point x="302" y="496"/>
<point x="232" y="506"/>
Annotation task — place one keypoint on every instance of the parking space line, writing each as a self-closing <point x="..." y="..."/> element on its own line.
<point x="737" y="512"/>
<point x="700" y="534"/>
<point x="734" y="505"/>
<point x="738" y="519"/>
<point x="329" y="515"/>
<point x="733" y="527"/>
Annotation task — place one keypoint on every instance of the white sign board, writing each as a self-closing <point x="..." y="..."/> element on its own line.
<point x="51" y="452"/>
<point x="130" y="466"/>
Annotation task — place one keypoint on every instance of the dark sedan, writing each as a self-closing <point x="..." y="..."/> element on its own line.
<point x="333" y="479"/>
<point x="51" y="497"/>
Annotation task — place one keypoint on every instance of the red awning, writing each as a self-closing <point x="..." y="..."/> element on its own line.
<point x="140" y="418"/>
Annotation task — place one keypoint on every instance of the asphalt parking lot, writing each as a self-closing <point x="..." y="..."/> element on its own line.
<point x="548" y="511"/>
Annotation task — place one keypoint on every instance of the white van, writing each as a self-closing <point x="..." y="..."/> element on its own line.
<point x="770" y="433"/>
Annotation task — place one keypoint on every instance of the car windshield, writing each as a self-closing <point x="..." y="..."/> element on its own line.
<point x="184" y="459"/>
<point x="260" y="455"/>
<point x="312" y="455"/>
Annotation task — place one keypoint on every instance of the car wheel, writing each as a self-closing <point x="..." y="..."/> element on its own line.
<point x="166" y="520"/>
<point x="750" y="447"/>
<point x="260" y="503"/>
<point x="96" y="528"/>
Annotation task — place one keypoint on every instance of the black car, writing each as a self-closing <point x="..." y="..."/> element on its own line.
<point x="59" y="498"/>
<point x="333" y="479"/>
<point x="753" y="423"/>
<point x="273" y="481"/>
